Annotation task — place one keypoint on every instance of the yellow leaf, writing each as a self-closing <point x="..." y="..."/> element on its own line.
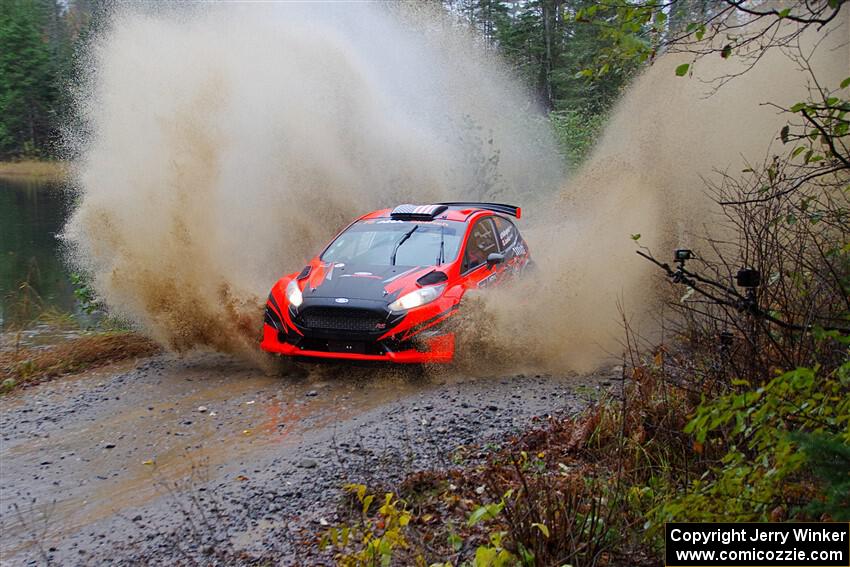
<point x="543" y="529"/>
<point x="366" y="503"/>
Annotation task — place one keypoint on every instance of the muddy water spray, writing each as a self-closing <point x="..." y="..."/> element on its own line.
<point x="223" y="146"/>
<point x="645" y="177"/>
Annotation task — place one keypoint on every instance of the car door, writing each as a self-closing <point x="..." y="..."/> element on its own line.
<point x="481" y="243"/>
<point x="512" y="245"/>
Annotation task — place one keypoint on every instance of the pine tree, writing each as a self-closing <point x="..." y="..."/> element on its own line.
<point x="28" y="75"/>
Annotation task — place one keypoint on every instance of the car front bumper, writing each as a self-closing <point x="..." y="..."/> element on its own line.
<point x="434" y="349"/>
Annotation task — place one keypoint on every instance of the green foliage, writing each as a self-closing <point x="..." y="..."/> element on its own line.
<point x="381" y="537"/>
<point x="829" y="459"/>
<point x="494" y="554"/>
<point x="550" y="49"/>
<point x="762" y="467"/>
<point x="821" y="137"/>
<point x="489" y="511"/>
<point x="576" y="133"/>
<point x="28" y="76"/>
<point x="628" y="31"/>
<point x="37" y="40"/>
<point x="375" y="539"/>
<point x="84" y="293"/>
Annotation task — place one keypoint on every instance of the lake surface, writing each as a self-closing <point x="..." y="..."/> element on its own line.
<point x="32" y="214"/>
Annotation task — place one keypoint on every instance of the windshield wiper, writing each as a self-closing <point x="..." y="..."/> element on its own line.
<point x="400" y="242"/>
<point x="441" y="258"/>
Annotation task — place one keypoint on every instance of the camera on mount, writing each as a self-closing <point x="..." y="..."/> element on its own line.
<point x="748" y="278"/>
<point x="681" y="255"/>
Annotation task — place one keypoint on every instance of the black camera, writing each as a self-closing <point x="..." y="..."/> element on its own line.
<point x="748" y="278"/>
<point x="683" y="254"/>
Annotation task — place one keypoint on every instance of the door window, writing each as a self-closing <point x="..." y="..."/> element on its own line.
<point x="482" y="243"/>
<point x="507" y="233"/>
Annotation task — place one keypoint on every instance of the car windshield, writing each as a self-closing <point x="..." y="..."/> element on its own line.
<point x="382" y="242"/>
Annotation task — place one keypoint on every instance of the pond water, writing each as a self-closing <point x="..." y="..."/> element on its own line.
<point x="32" y="271"/>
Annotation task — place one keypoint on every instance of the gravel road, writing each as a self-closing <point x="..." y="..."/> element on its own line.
<point x="171" y="459"/>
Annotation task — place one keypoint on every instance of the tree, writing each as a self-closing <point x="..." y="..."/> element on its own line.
<point x="38" y="43"/>
<point x="28" y="76"/>
<point x="547" y="48"/>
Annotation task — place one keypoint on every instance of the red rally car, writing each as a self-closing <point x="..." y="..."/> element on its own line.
<point x="385" y="286"/>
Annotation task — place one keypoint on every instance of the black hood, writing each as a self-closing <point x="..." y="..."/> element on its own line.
<point x="360" y="281"/>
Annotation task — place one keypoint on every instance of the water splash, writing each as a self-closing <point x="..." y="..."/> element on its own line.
<point x="221" y="147"/>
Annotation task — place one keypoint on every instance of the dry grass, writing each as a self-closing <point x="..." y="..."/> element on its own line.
<point x="34" y="169"/>
<point x="31" y="365"/>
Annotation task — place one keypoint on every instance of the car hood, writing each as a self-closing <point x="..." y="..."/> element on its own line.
<point x="376" y="283"/>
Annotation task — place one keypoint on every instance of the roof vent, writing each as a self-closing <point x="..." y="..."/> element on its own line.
<point x="417" y="212"/>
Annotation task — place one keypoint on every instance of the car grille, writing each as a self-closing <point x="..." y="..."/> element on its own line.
<point x="341" y="319"/>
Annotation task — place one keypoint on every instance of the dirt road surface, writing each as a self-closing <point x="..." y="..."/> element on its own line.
<point x="176" y="459"/>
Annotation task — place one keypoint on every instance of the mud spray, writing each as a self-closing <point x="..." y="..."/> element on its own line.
<point x="220" y="147"/>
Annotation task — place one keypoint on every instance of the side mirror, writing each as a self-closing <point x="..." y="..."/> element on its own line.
<point x="495" y="258"/>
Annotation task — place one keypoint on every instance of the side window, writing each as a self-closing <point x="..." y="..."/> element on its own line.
<point x="482" y="243"/>
<point x="507" y="233"/>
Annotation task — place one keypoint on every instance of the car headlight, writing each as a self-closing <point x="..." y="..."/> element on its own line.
<point x="417" y="298"/>
<point x="293" y="294"/>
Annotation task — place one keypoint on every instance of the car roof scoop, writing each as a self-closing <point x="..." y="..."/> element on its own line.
<point x="417" y="212"/>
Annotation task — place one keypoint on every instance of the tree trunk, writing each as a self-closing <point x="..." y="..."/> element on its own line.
<point x="549" y="9"/>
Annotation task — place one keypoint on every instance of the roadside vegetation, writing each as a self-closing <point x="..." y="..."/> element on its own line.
<point x="24" y="366"/>
<point x="65" y="343"/>
<point x="742" y="415"/>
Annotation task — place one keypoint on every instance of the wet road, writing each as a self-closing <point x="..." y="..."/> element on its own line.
<point x="112" y="465"/>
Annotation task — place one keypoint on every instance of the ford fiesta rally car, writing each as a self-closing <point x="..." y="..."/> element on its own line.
<point x="384" y="288"/>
